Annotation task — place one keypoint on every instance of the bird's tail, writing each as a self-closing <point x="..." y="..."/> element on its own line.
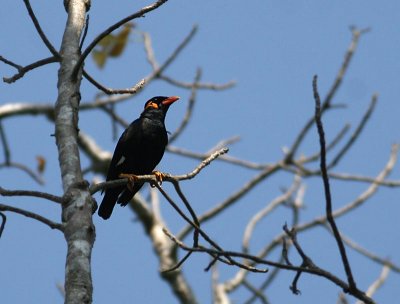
<point x="127" y="194"/>
<point x="108" y="203"/>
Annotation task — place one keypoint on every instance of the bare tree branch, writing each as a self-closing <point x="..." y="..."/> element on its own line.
<point x="378" y="283"/>
<point x="200" y="85"/>
<point x="189" y="108"/>
<point x="225" y="158"/>
<point x="32" y="215"/>
<point x="3" y="222"/>
<point x="22" y="70"/>
<point x="312" y="268"/>
<point x="37" y="178"/>
<point x="39" y="194"/>
<point x="112" y="28"/>
<point x="133" y="90"/>
<point x="328" y="198"/>
<point x="356" y="133"/>
<point x="330" y="146"/>
<point x="329" y="97"/>
<point x="4" y="142"/>
<point x="167" y="177"/>
<point x="232" y="199"/>
<point x="265" y="211"/>
<point x="40" y="31"/>
<point x="373" y="257"/>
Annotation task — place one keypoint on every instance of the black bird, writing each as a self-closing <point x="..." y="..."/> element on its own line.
<point x="138" y="151"/>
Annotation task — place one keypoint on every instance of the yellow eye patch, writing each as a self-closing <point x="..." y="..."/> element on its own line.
<point x="152" y="105"/>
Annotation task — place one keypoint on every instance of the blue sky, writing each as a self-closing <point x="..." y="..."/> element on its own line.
<point x="272" y="49"/>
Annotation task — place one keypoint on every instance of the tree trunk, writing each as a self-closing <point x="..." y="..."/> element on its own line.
<point x="77" y="205"/>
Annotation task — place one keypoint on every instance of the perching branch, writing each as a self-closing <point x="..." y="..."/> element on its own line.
<point x="167" y="177"/>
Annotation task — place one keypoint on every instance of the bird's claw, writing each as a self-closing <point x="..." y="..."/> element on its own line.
<point x="159" y="176"/>
<point x="132" y="178"/>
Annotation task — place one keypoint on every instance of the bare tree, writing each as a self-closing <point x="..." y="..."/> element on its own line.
<point x="173" y="249"/>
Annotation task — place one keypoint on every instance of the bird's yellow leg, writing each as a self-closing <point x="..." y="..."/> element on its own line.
<point x="132" y="178"/>
<point x="159" y="176"/>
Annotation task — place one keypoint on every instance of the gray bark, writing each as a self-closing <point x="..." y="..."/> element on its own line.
<point x="78" y="204"/>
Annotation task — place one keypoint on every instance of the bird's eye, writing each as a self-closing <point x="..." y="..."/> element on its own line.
<point x="152" y="105"/>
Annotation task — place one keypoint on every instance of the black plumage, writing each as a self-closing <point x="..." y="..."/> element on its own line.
<point x="138" y="151"/>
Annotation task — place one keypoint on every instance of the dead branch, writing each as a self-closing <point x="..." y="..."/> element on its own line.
<point x="32" y="215"/>
<point x="48" y="196"/>
<point x="112" y="28"/>
<point x="327" y="191"/>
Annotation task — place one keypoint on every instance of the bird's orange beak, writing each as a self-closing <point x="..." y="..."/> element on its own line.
<point x="170" y="100"/>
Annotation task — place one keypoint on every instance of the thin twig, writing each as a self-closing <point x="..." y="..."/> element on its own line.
<point x="343" y="176"/>
<point x="149" y="51"/>
<point x="268" y="281"/>
<point x="362" y="198"/>
<point x="133" y="90"/>
<point x="240" y="276"/>
<point x="114" y="116"/>
<point x="248" y="232"/>
<point x="199" y="231"/>
<point x="3" y="222"/>
<point x="156" y="73"/>
<point x="225" y="158"/>
<point x="233" y="198"/>
<point x="85" y="32"/>
<point x="223" y="143"/>
<point x="378" y="283"/>
<point x="10" y="63"/>
<point x="36" y="177"/>
<point x="189" y="108"/>
<point x="217" y="252"/>
<point x="22" y="70"/>
<point x="312" y="270"/>
<point x="200" y="85"/>
<point x="329" y="147"/>
<point x="51" y="224"/>
<point x="191" y="211"/>
<point x="4" y="142"/>
<point x="372" y="256"/>
<point x="179" y="264"/>
<point x="48" y="196"/>
<point x="307" y="262"/>
<point x="356" y="133"/>
<point x="40" y="31"/>
<point x="112" y="28"/>
<point x="327" y="191"/>
<point x="327" y="103"/>
<point x="256" y="292"/>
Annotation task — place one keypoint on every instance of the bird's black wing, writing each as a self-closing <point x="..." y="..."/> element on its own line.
<point x="117" y="166"/>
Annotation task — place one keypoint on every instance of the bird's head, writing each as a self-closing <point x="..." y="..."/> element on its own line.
<point x="159" y="104"/>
